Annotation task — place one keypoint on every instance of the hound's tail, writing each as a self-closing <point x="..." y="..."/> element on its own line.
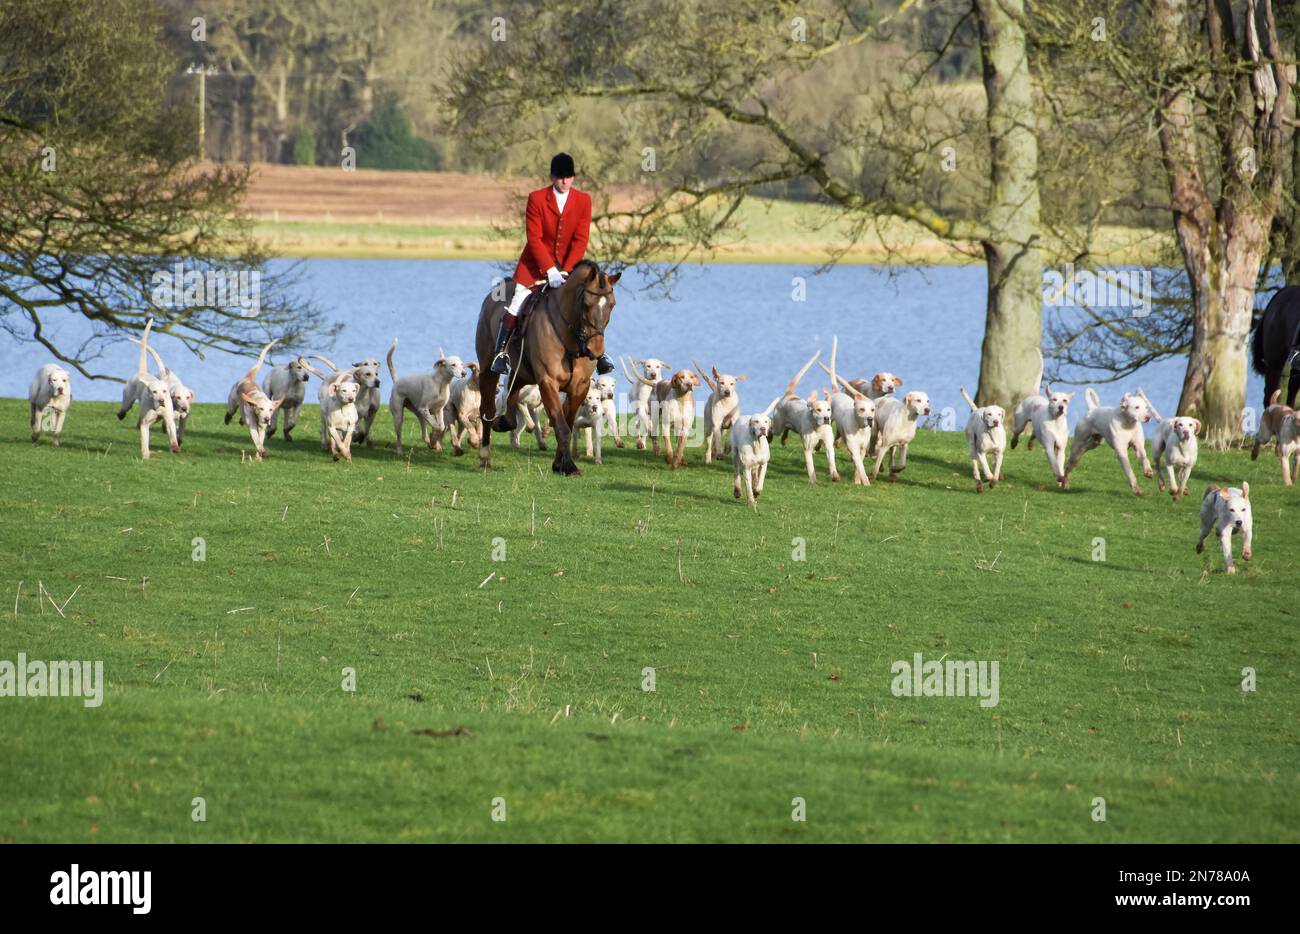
<point x="153" y="353"/>
<point x="391" y="372"/>
<point x="1037" y="388"/>
<point x="1093" y="400"/>
<point x="325" y="361"/>
<point x="1272" y="400"/>
<point x="261" y="358"/>
<point x="143" y="369"/>
<point x="969" y="400"/>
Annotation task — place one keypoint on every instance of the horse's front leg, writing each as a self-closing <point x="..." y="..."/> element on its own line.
<point x="560" y="419"/>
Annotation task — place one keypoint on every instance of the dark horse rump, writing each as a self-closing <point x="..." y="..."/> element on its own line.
<point x="1274" y="343"/>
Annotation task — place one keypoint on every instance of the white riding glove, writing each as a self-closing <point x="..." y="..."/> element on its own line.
<point x="555" y="278"/>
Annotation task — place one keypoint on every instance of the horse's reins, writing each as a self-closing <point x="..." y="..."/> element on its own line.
<point x="578" y="335"/>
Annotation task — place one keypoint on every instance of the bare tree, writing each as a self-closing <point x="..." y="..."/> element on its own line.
<point x="714" y="124"/>
<point x="99" y="196"/>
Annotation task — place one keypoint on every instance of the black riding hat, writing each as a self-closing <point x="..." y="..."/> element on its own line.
<point x="562" y="166"/>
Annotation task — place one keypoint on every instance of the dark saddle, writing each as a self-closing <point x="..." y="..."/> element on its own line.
<point x="514" y="345"/>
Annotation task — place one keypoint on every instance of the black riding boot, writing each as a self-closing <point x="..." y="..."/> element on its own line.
<point x="604" y="365"/>
<point x="501" y="362"/>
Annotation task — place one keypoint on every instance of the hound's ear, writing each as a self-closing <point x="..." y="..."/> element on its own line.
<point x="248" y="398"/>
<point x="1245" y="490"/>
<point x="812" y="396"/>
<point x="360" y="363"/>
<point x="714" y="371"/>
<point x="277" y="403"/>
<point x="739" y="378"/>
<point x="1197" y="423"/>
<point x="474" y="367"/>
<point x="190" y="393"/>
<point x="1071" y="395"/>
<point x="614" y="278"/>
<point x="334" y="389"/>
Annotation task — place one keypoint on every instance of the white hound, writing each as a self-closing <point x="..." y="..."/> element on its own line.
<point x="1120" y="426"/>
<point x="255" y="408"/>
<point x="672" y="403"/>
<point x="288" y="383"/>
<point x="603" y="391"/>
<point x="340" y="418"/>
<point x="985" y="432"/>
<point x="896" y="422"/>
<point x="1046" y="415"/>
<point x="720" y="409"/>
<point x="366" y="375"/>
<point x="642" y="424"/>
<point x="528" y="413"/>
<point x="750" y="439"/>
<point x="49" y="396"/>
<point x="425" y="394"/>
<point x="154" y="395"/>
<point x="810" y="419"/>
<point x="1226" y="510"/>
<point x="463" y="412"/>
<point x="1175" y="443"/>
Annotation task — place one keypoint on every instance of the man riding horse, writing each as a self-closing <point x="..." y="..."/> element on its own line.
<point x="558" y="223"/>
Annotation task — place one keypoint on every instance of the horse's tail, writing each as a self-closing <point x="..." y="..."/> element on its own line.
<point x="1257" y="345"/>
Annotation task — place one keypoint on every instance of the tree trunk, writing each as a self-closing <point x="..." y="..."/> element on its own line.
<point x="1013" y="327"/>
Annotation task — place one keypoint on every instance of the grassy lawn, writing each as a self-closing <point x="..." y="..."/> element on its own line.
<point x="1119" y="678"/>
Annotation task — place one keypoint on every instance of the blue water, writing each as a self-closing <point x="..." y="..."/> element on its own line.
<point x="924" y="324"/>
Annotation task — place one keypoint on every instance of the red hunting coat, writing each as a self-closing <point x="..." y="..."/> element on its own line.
<point x="554" y="239"/>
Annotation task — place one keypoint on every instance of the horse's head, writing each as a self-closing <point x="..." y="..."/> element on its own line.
<point x="593" y="292"/>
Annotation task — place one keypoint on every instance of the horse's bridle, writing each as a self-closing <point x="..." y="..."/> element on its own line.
<point x="580" y="336"/>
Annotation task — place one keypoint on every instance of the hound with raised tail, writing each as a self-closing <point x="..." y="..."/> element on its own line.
<point x="720" y="409"/>
<point x="528" y="413"/>
<point x="182" y="395"/>
<point x="49" y="396"/>
<point x="672" y="403"/>
<point x="643" y="425"/>
<point x="155" y="397"/>
<point x="879" y="386"/>
<point x="1227" y="511"/>
<point x="288" y="382"/>
<point x="1120" y="426"/>
<point x="341" y="417"/>
<point x="810" y="419"/>
<point x="1270" y="423"/>
<point x="985" y="431"/>
<point x="425" y="394"/>
<point x="896" y="421"/>
<point x="365" y="373"/>
<point x="603" y="390"/>
<point x="854" y="415"/>
<point x="462" y="412"/>
<point x="254" y="406"/>
<point x="1175" y="444"/>
<point x="1046" y="415"/>
<point x="751" y="453"/>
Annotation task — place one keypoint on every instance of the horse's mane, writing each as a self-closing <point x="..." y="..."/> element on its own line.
<point x="585" y="265"/>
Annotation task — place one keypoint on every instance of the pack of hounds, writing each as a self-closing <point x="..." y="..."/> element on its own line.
<point x="870" y="419"/>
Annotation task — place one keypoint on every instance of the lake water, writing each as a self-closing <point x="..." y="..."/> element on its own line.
<point x="924" y="324"/>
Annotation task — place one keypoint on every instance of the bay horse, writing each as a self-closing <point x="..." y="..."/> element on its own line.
<point x="1274" y="341"/>
<point x="564" y="333"/>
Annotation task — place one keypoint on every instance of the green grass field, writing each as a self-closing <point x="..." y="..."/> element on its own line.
<point x="1119" y="679"/>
